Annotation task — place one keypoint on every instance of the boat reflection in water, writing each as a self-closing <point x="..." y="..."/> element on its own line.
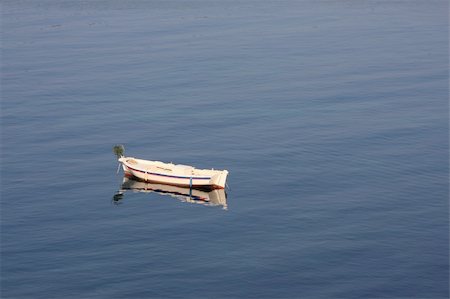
<point x="215" y="197"/>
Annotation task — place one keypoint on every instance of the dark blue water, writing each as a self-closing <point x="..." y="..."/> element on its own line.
<point x="331" y="116"/>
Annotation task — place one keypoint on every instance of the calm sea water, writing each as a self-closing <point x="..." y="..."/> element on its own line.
<point x="331" y="116"/>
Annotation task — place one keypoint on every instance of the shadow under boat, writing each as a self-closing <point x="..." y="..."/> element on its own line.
<point x="216" y="197"/>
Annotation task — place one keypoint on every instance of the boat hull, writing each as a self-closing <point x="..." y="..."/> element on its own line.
<point x="171" y="174"/>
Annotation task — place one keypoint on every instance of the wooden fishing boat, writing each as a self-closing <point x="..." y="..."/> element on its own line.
<point x="172" y="174"/>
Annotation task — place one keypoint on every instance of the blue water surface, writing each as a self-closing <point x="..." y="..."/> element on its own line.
<point x="331" y="117"/>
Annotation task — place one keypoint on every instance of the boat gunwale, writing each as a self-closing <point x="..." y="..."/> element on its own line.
<point x="171" y="176"/>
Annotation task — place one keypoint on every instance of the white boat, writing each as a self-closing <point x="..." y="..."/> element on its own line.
<point x="215" y="197"/>
<point x="172" y="174"/>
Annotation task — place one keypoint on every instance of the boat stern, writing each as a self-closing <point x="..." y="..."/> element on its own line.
<point x="220" y="179"/>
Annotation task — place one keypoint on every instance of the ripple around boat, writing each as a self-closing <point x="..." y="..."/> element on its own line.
<point x="216" y="197"/>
